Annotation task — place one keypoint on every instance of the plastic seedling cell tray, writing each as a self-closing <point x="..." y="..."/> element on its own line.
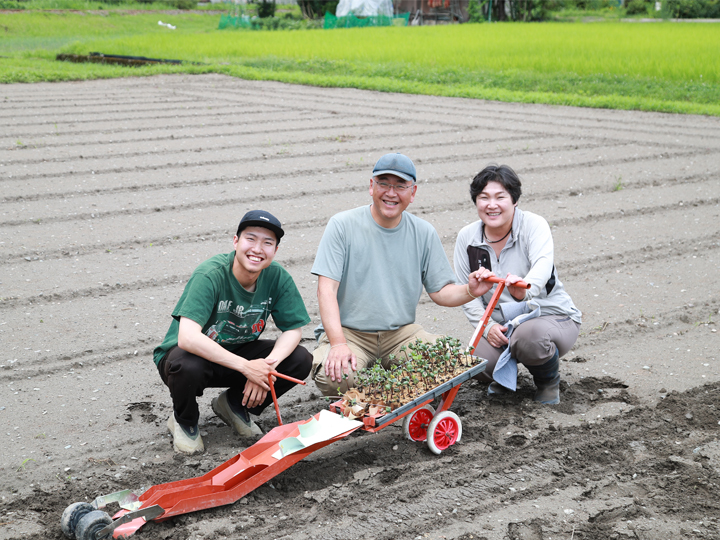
<point x="431" y="395"/>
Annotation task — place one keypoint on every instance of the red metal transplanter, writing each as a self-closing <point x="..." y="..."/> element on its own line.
<point x="439" y="428"/>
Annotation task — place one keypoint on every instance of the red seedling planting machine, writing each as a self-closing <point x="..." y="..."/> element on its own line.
<point x="278" y="450"/>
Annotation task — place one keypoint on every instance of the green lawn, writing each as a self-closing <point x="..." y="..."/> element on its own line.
<point x="670" y="67"/>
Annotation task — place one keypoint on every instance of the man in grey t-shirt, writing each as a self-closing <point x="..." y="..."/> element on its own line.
<point x="372" y="265"/>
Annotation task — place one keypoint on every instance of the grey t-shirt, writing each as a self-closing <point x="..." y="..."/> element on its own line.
<point x="381" y="271"/>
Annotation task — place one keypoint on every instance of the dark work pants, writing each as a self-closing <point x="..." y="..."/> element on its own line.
<point x="188" y="375"/>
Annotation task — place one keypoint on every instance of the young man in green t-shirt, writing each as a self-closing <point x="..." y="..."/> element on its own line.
<point x="213" y="338"/>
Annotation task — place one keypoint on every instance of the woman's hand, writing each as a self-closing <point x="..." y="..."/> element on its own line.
<point x="518" y="293"/>
<point x="495" y="336"/>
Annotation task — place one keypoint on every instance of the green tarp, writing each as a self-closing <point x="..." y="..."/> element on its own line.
<point x="351" y="21"/>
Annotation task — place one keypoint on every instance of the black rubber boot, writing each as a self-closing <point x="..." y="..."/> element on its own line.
<point x="497" y="389"/>
<point x="547" y="380"/>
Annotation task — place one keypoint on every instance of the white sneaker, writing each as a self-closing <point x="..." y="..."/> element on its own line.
<point x="240" y="422"/>
<point x="185" y="440"/>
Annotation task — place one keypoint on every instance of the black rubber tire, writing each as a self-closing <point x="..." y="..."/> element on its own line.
<point x="71" y="516"/>
<point x="90" y="524"/>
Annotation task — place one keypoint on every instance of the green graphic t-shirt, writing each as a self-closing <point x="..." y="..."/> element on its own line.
<point x="230" y="315"/>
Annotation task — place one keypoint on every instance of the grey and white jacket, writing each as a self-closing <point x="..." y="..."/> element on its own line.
<point x="528" y="253"/>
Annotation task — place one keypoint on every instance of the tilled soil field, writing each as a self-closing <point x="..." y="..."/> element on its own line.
<point x="113" y="191"/>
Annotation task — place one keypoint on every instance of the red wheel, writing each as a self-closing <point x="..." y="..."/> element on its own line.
<point x="444" y="431"/>
<point x="416" y="423"/>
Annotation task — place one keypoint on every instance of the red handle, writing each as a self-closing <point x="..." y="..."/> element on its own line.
<point x="495" y="279"/>
<point x="272" y="390"/>
<point x="490" y="307"/>
<point x="286" y="377"/>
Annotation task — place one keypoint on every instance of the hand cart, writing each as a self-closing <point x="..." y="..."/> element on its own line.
<point x="264" y="460"/>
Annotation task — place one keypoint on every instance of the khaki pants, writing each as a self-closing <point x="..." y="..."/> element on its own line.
<point x="368" y="347"/>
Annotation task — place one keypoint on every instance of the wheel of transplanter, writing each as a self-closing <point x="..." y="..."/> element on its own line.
<point x="71" y="516"/>
<point x="444" y="431"/>
<point x="90" y="525"/>
<point x="416" y="423"/>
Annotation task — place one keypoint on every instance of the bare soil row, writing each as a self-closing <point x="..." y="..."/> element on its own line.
<point x="111" y="192"/>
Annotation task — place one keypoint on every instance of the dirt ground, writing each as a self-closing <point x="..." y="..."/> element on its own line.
<point x="113" y="191"/>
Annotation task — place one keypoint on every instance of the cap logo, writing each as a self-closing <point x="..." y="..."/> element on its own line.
<point x="263" y="217"/>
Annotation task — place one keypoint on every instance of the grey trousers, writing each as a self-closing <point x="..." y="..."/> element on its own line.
<point x="533" y="343"/>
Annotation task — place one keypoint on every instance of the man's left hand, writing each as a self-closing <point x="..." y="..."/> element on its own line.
<point x="254" y="394"/>
<point x="477" y="286"/>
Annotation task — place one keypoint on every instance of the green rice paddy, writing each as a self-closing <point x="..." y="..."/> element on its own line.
<point x="665" y="66"/>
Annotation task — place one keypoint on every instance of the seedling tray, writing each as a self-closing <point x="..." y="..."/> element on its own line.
<point x="379" y="421"/>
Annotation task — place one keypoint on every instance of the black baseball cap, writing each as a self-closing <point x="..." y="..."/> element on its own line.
<point x="261" y="218"/>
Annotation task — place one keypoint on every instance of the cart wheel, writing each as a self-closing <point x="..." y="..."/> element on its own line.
<point x="71" y="516"/>
<point x="91" y="524"/>
<point x="444" y="431"/>
<point x="416" y="424"/>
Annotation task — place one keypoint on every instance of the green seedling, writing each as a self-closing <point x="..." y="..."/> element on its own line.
<point x="618" y="184"/>
<point x="426" y="366"/>
<point x="22" y="465"/>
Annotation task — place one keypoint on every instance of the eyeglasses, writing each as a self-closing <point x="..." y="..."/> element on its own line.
<point x="399" y="188"/>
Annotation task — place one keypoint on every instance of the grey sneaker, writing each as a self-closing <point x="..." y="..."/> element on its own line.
<point x="186" y="440"/>
<point x="240" y="421"/>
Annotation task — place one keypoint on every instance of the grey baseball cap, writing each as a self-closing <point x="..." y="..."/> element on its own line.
<point x="261" y="218"/>
<point x="397" y="164"/>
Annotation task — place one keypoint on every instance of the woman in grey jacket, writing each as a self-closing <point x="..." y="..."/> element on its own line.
<point x="518" y="245"/>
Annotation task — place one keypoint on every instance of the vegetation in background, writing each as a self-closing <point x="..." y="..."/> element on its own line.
<point x="580" y="10"/>
<point x="267" y="23"/>
<point x="474" y="10"/>
<point x="477" y="11"/>
<point x="516" y="10"/>
<point x="692" y="9"/>
<point x="266" y="9"/>
<point x="584" y="10"/>
<point x="254" y="17"/>
<point x="99" y="5"/>
<point x="671" y="67"/>
<point x="315" y="9"/>
<point x="636" y="7"/>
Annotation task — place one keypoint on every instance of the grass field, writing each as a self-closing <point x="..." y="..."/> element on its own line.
<point x="671" y="67"/>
